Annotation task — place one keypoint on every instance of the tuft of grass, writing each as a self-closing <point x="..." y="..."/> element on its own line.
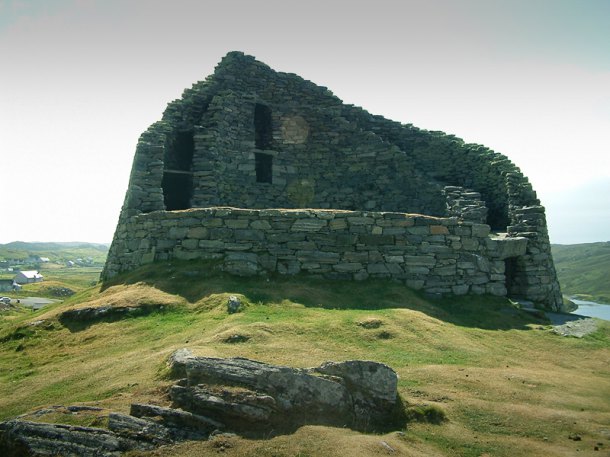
<point x="428" y="414"/>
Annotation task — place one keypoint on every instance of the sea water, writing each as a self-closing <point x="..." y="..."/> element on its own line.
<point x="592" y="309"/>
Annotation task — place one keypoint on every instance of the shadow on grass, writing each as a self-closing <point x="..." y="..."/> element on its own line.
<point x="195" y="280"/>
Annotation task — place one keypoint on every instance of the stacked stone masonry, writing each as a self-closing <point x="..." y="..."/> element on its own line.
<point x="250" y="137"/>
<point x="439" y="255"/>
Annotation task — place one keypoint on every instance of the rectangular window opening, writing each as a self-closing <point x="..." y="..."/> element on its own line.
<point x="263" y="131"/>
<point x="263" y="163"/>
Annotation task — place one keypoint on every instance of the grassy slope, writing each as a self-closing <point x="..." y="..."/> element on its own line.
<point x="508" y="385"/>
<point x="55" y="276"/>
<point x="583" y="270"/>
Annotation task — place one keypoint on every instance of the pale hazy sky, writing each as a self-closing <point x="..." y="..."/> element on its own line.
<point x="80" y="80"/>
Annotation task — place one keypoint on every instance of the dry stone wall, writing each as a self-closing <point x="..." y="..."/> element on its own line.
<point x="438" y="255"/>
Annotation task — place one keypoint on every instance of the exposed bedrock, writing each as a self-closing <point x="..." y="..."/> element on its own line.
<point x="244" y="394"/>
<point x="236" y="395"/>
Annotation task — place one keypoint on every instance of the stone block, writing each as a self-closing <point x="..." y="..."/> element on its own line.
<point x="249" y="235"/>
<point x="237" y="223"/>
<point x="449" y="270"/>
<point x="288" y="267"/>
<point x="178" y="233"/>
<point x="308" y="225"/>
<point x="460" y="289"/>
<point x="301" y="245"/>
<point x="376" y="240"/>
<point x="419" y="230"/>
<point x="495" y="288"/>
<point x="338" y="224"/>
<point x="394" y="258"/>
<point x="268" y="262"/>
<point x="260" y="224"/>
<point x="190" y="244"/>
<point x="350" y="267"/>
<point x="480" y="230"/>
<point x="238" y="246"/>
<point x="345" y="239"/>
<point x="197" y="232"/>
<point x="361" y="275"/>
<point x="212" y="222"/>
<point x="148" y="257"/>
<point x="469" y="244"/>
<point x="420" y="260"/>
<point x="377" y="268"/>
<point x="417" y="270"/>
<point x="318" y="256"/>
<point x="416" y="284"/>
<point x="436" y="249"/>
<point x="439" y="230"/>
<point x="394" y="231"/>
<point x="509" y="246"/>
<point x="395" y="269"/>
<point x="211" y="244"/>
<point x="165" y="244"/>
<point x="181" y="254"/>
<point x="360" y="220"/>
<point x="353" y="256"/>
<point x="221" y="233"/>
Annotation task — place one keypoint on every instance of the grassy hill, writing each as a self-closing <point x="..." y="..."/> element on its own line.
<point x="56" y="252"/>
<point x="57" y="276"/>
<point x="584" y="270"/>
<point x="508" y="385"/>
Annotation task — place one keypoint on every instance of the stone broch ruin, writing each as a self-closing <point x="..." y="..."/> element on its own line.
<point x="266" y="172"/>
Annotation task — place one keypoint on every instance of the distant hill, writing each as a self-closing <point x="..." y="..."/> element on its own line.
<point x="56" y="252"/>
<point x="584" y="269"/>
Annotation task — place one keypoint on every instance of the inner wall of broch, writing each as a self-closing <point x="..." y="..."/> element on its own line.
<point x="249" y="137"/>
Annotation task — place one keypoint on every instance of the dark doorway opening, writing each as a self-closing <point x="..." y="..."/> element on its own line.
<point x="177" y="190"/>
<point x="510" y="270"/>
<point x="263" y="163"/>
<point x="497" y="217"/>
<point x="263" y="132"/>
<point x="177" y="183"/>
<point x="179" y="152"/>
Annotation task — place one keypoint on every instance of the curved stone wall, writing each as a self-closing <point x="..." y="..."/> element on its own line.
<point x="438" y="255"/>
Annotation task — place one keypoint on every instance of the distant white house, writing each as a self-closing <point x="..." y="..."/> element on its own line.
<point x="37" y="259"/>
<point x="27" y="277"/>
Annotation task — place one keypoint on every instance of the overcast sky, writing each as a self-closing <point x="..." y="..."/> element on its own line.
<point x="80" y="80"/>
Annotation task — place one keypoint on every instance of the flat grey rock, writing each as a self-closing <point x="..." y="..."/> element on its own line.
<point x="23" y="438"/>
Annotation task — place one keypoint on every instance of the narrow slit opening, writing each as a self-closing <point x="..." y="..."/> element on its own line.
<point x="263" y="163"/>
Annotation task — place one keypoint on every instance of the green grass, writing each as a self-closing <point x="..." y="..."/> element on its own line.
<point x="583" y="270"/>
<point x="507" y="385"/>
<point x="77" y="279"/>
<point x="56" y="252"/>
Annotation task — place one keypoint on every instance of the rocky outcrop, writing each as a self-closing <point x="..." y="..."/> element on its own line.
<point x="236" y="394"/>
<point x="20" y="438"/>
<point x="249" y="395"/>
<point x="82" y="317"/>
